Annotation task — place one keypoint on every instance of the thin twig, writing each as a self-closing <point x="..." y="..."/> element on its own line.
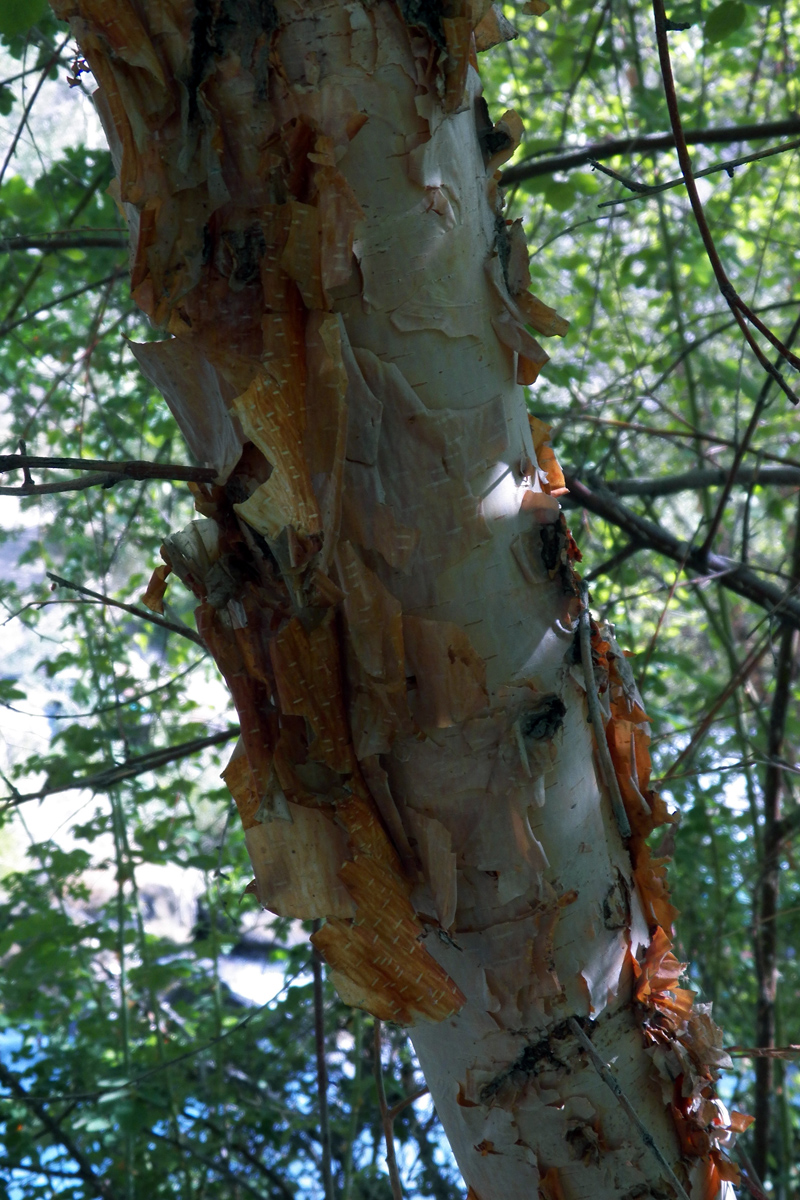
<point x="616" y="560"/>
<point x="144" y="614"/>
<point x="791" y="1051"/>
<point x="744" y="446"/>
<point x="736" y="680"/>
<point x="653" y="189"/>
<point x="51" y="62"/>
<point x="386" y="1118"/>
<point x="66" y="485"/>
<point x="96" y="1184"/>
<point x="396" y="1109"/>
<point x="641" y="189"/>
<point x="604" y="754"/>
<point x="103" y="779"/>
<point x="750" y="1179"/>
<point x="648" y="144"/>
<point x="611" y="1082"/>
<point x="322" y="1069"/>
<point x="8" y="325"/>
<point x="742" y="312"/>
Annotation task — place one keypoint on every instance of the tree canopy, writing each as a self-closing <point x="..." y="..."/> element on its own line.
<point x="129" y="1063"/>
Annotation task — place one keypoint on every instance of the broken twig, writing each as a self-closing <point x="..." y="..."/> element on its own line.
<point x="610" y="1081"/>
<point x="143" y="613"/>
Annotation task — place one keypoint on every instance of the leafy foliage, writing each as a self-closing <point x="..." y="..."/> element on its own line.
<point x="118" y="1022"/>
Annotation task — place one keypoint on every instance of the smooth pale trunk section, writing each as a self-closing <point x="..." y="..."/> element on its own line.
<point x="536" y="856"/>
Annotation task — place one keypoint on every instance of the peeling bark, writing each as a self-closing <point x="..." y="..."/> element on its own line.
<point x="384" y="576"/>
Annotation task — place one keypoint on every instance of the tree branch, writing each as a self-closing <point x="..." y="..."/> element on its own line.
<point x="386" y="1119"/>
<point x="735" y="576"/>
<point x="648" y="144"/>
<point x="144" y="614"/>
<point x="61" y="240"/>
<point x="85" y="1171"/>
<point x="704" y="477"/>
<point x="744" y="445"/>
<point x="108" y="776"/>
<point x="742" y="312"/>
<point x="616" y="560"/>
<point x="7" y="326"/>
<point x="648" y="189"/>
<point x="104" y="474"/>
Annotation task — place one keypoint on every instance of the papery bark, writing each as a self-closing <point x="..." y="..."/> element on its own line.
<point x="384" y="575"/>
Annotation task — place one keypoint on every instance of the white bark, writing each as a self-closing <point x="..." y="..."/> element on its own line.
<point x="313" y="215"/>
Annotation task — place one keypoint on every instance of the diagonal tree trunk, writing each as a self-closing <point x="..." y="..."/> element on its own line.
<point x="386" y="581"/>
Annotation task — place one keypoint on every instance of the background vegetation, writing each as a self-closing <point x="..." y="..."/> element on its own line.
<point x="157" y="1032"/>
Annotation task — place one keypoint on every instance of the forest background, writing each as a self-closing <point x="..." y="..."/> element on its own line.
<point x="158" y="1033"/>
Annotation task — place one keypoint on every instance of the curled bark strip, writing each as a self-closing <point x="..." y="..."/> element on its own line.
<point x="607" y="766"/>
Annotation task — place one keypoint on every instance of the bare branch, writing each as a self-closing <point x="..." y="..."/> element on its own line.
<point x="616" y="560"/>
<point x="144" y="614"/>
<point x="7" y="326"/>
<point x="704" y="477"/>
<point x="735" y="576"/>
<point x="791" y="1051"/>
<point x="63" y="240"/>
<point x="645" y="189"/>
<point x="105" y="778"/>
<point x="102" y="474"/>
<point x="648" y="144"/>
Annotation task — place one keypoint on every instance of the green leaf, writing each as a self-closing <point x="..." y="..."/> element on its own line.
<point x="9" y="691"/>
<point x="21" y="200"/>
<point x="724" y="20"/>
<point x="560" y="196"/>
<point x="17" y="16"/>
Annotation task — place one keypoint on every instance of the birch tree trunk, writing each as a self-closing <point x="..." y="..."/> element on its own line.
<point x="386" y="581"/>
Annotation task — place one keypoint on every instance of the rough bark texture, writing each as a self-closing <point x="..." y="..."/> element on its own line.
<point x="385" y="578"/>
